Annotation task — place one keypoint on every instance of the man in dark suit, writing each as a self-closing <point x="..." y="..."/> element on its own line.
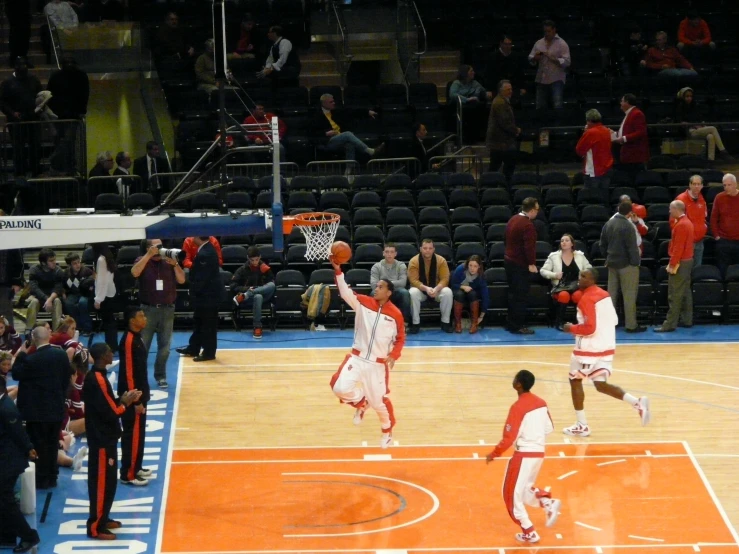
<point x="15" y="451"/>
<point x="149" y="165"/>
<point x="502" y="135"/>
<point x="127" y="184"/>
<point x="43" y="379"/>
<point x="632" y="136"/>
<point x="331" y="126"/>
<point x="206" y="292"/>
<point x="103" y="165"/>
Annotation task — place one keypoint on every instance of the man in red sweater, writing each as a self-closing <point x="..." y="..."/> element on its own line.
<point x="725" y="223"/>
<point x="679" y="295"/>
<point x="667" y="61"/>
<point x="520" y="263"/>
<point x="191" y="249"/>
<point x="594" y="147"/>
<point x="694" y="37"/>
<point x="697" y="211"/>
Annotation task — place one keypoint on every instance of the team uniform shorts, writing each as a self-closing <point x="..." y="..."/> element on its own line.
<point x="595" y="369"/>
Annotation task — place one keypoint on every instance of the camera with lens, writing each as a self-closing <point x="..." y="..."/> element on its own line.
<point x="173" y="254"/>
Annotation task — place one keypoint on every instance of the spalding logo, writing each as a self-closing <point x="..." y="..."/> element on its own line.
<point x="20" y="224"/>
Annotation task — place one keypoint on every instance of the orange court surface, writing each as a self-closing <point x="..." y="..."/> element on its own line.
<point x="302" y="478"/>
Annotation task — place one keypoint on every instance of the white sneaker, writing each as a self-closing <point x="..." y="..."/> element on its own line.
<point x="386" y="440"/>
<point x="527" y="537"/>
<point x="642" y="407"/>
<point x="79" y="458"/>
<point x="138" y="482"/>
<point x="144" y="473"/>
<point x="577" y="430"/>
<point x="553" y="511"/>
<point x="112" y="364"/>
<point x="359" y="414"/>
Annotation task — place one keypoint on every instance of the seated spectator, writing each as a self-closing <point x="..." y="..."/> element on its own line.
<point x="694" y="38"/>
<point x="254" y="284"/>
<point x="247" y="46"/>
<point x="473" y="96"/>
<point x="328" y="124"/>
<point x="78" y="285"/>
<point x="563" y="269"/>
<point x="418" y="148"/>
<point x="552" y="56"/>
<point x="396" y="272"/>
<point x="103" y="10"/>
<point x="47" y="288"/>
<point x="505" y="64"/>
<point x="6" y="364"/>
<point x="191" y="250"/>
<point x="10" y="340"/>
<point x="205" y="69"/>
<point x="11" y="279"/>
<point x="103" y="165"/>
<point x="667" y="61"/>
<point x="75" y="407"/>
<point x="66" y="337"/>
<point x="686" y="111"/>
<point x="632" y="51"/>
<point x="171" y="41"/>
<point x="261" y="117"/>
<point x="282" y="65"/>
<point x="428" y="274"/>
<point x="149" y="165"/>
<point x="471" y="290"/>
<point x="123" y="163"/>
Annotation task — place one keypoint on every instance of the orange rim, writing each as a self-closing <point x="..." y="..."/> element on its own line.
<point x="309" y="219"/>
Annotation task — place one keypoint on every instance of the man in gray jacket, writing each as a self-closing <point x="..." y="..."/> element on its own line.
<point x="502" y="135"/>
<point x="397" y="272"/>
<point x="622" y="260"/>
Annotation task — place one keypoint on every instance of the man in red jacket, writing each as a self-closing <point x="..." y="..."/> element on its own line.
<point x="725" y="224"/>
<point x="520" y="262"/>
<point x="632" y="136"/>
<point x="679" y="269"/>
<point x="697" y="211"/>
<point x="594" y="147"/>
<point x="667" y="61"/>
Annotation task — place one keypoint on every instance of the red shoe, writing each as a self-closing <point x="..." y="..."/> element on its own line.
<point x="257" y="333"/>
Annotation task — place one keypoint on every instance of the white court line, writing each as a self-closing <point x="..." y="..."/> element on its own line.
<point x="611" y="462"/>
<point x="598" y="550"/>
<point x="566" y="475"/>
<point x="377" y="457"/>
<point x="645" y="538"/>
<point x="475" y="456"/>
<point x="558" y="535"/>
<point x="696" y="548"/>
<point x="170" y="452"/>
<point x="649" y="452"/>
<point x="711" y="492"/>
<point x="561" y="454"/>
<point x="588" y="526"/>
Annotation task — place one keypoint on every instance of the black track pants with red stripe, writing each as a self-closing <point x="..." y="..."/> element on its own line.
<point x="132" y="443"/>
<point x="101" y="485"/>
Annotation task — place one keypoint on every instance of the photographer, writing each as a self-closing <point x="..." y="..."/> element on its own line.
<point x="158" y="279"/>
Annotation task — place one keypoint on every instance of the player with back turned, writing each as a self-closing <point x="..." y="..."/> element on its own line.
<point x="379" y="335"/>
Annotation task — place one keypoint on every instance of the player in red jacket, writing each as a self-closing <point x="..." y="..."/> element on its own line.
<point x="527" y="426"/>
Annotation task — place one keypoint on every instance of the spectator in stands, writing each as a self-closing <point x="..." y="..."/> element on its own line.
<point x="149" y="165"/>
<point x="43" y="379"/>
<point x="75" y="423"/>
<point x="254" y="284"/>
<point x="247" y="46"/>
<point x="19" y="27"/>
<point x="172" y="40"/>
<point x="283" y="64"/>
<point x="622" y="260"/>
<point x="11" y="280"/>
<point x="70" y="90"/>
<point x="123" y="167"/>
<point x="47" y="288"/>
<point x="10" y="340"/>
<point x="18" y="102"/>
<point x="205" y="69"/>
<point x="191" y="250"/>
<point x="329" y="125"/>
<point x="470" y="289"/>
<point x="105" y="292"/>
<point x="632" y="51"/>
<point x="259" y="137"/>
<point x="679" y="268"/>
<point x="686" y="111"/>
<point x="502" y="134"/>
<point x="632" y="136"/>
<point x="158" y="279"/>
<point x="520" y="263"/>
<point x="103" y="165"/>
<point x="697" y="211"/>
<point x="428" y="274"/>
<point x="594" y="147"/>
<point x="6" y="364"/>
<point x="694" y="38"/>
<point x="505" y="64"/>
<point x="637" y="215"/>
<point x="725" y="224"/>
<point x="667" y="61"/>
<point x="78" y="285"/>
<point x="563" y="268"/>
<point x="396" y="272"/>
<point x="104" y="10"/>
<point x="552" y="55"/>
<point x="418" y="148"/>
<point x="473" y="96"/>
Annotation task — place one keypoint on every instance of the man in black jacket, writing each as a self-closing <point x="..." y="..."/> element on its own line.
<point x="206" y="292"/>
<point x="330" y="125"/>
<point x="148" y="165"/>
<point x="47" y="288"/>
<point x="43" y="380"/>
<point x="134" y="376"/>
<point x="254" y="284"/>
<point x="15" y="451"/>
<point x="18" y="102"/>
<point x="103" y="427"/>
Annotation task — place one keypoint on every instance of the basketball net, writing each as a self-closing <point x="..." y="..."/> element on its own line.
<point x="319" y="230"/>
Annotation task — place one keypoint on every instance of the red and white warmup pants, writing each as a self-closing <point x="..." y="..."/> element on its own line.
<point x="519" y="489"/>
<point x="357" y="379"/>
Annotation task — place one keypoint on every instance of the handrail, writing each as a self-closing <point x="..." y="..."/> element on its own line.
<point x="54" y="43"/>
<point x="442" y="142"/>
<point x="460" y="120"/>
<point x="423" y="28"/>
<point x="343" y="30"/>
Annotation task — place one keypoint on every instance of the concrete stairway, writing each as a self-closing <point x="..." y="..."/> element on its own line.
<point x="440" y="67"/>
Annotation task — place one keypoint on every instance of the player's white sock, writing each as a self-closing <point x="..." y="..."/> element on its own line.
<point x="580" y="414"/>
<point x="630" y="399"/>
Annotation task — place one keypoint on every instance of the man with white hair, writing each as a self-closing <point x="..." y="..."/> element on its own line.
<point x="725" y="223"/>
<point x="329" y="125"/>
<point x="679" y="295"/>
<point x="103" y="165"/>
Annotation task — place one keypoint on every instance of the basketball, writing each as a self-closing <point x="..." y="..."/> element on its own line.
<point x="341" y="252"/>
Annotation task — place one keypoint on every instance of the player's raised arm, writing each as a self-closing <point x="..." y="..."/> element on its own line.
<point x="345" y="292"/>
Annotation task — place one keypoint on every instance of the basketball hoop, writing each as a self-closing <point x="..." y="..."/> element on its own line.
<point x="319" y="230"/>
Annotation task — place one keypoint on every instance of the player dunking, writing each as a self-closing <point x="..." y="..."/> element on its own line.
<point x="592" y="357"/>
<point x="379" y="334"/>
<point x="527" y="425"/>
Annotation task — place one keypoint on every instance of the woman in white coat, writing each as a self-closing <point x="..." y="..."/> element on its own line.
<point x="105" y="292"/>
<point x="563" y="269"/>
